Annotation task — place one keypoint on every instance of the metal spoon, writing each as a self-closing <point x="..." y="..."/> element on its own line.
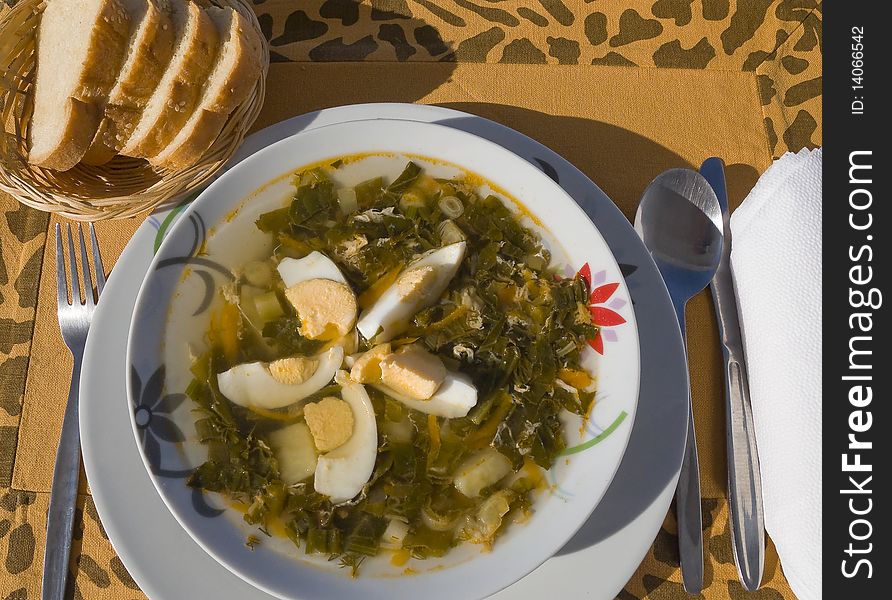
<point x="680" y="220"/>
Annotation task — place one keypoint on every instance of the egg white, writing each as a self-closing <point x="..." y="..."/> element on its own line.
<point x="454" y="398"/>
<point x="390" y="314"/>
<point x="251" y="384"/>
<point x="314" y="265"/>
<point x="342" y="473"/>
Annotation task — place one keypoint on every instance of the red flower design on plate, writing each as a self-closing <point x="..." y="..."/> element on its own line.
<point x="603" y="309"/>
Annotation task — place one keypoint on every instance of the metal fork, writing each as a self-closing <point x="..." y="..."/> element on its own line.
<point x="74" y="322"/>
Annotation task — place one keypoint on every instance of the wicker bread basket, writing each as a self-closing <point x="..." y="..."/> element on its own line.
<point x="121" y="188"/>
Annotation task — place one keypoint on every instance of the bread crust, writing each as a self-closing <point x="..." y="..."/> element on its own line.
<point x="205" y="125"/>
<point x="81" y="121"/>
<point x="208" y="126"/>
<point x="137" y="81"/>
<point x="83" y="109"/>
<point x="182" y="93"/>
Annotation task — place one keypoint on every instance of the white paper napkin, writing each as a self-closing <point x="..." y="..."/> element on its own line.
<point x="776" y="261"/>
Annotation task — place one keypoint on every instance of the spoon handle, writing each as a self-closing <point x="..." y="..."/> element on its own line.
<point x="687" y="496"/>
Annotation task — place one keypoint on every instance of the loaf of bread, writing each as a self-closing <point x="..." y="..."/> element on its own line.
<point x="81" y="45"/>
<point x="234" y="74"/>
<point x="148" y="54"/>
<point x="179" y="91"/>
<point x="153" y="79"/>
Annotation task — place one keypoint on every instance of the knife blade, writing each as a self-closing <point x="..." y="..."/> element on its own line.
<point x="744" y="478"/>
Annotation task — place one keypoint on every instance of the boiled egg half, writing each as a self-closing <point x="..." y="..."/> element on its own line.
<point x="342" y="472"/>
<point x="281" y="382"/>
<point x="418" y="379"/>
<point x="320" y="294"/>
<point x="419" y="285"/>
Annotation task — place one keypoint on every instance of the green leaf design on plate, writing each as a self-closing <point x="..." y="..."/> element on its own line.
<point x="597" y="439"/>
<point x="170" y="219"/>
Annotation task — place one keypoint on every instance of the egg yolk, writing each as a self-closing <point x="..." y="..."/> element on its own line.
<point x="326" y="308"/>
<point x="330" y="421"/>
<point x="293" y="370"/>
<point x="413" y="372"/>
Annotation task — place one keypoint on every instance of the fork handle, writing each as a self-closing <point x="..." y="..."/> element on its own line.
<point x="60" y="518"/>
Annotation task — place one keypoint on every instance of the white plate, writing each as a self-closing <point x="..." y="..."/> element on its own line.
<point x="610" y="545"/>
<point x="178" y="296"/>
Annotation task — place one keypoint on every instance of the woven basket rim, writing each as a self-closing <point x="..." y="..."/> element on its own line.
<point x="125" y="187"/>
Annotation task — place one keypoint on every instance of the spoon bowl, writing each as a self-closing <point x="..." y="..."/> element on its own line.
<point x="680" y="221"/>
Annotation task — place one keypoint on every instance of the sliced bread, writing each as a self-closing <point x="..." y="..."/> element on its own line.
<point x="179" y="91"/>
<point x="232" y="79"/>
<point x="149" y="51"/>
<point x="81" y="45"/>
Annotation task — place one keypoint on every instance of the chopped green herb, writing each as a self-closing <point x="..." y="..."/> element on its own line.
<point x="506" y="320"/>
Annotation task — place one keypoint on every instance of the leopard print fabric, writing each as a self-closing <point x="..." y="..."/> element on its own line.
<point x="779" y="41"/>
<point x="22" y="237"/>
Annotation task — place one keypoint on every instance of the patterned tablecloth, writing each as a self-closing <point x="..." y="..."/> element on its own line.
<point x="623" y="92"/>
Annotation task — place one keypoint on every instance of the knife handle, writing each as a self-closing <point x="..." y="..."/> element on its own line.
<point x="744" y="478"/>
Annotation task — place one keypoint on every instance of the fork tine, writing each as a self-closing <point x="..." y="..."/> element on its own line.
<point x="97" y="261"/>
<point x="61" y="282"/>
<point x="72" y="266"/>
<point x="85" y="269"/>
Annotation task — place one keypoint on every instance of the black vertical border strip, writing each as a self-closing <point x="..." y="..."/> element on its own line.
<point x="851" y="256"/>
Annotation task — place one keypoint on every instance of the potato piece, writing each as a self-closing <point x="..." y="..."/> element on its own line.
<point x="394" y="534"/>
<point x="295" y="452"/>
<point x="481" y="528"/>
<point x="482" y="469"/>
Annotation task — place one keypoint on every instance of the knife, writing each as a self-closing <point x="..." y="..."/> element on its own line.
<point x="744" y="478"/>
